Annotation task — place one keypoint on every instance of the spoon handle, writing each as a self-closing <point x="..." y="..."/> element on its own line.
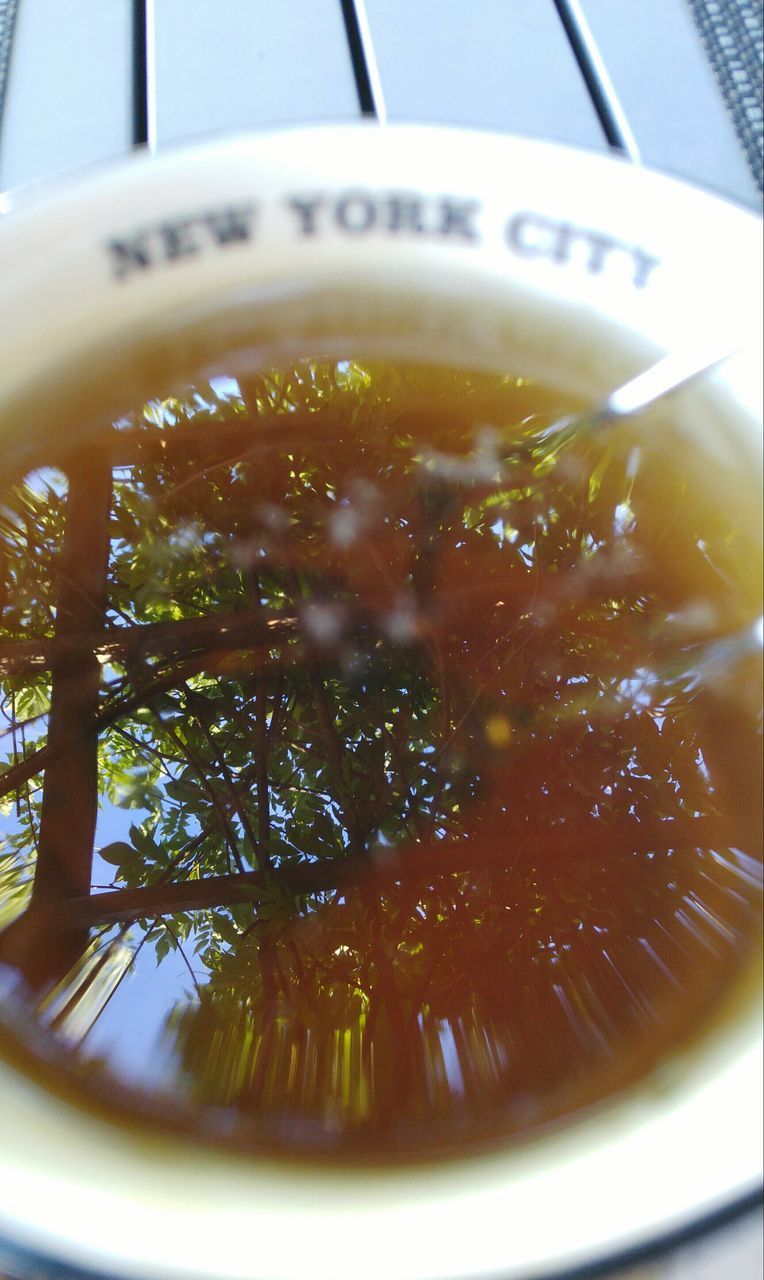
<point x="669" y="374"/>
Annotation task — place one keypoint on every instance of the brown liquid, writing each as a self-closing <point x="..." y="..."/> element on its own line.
<point x="375" y="781"/>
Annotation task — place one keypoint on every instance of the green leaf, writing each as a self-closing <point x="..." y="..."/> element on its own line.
<point x="118" y="853"/>
<point x="182" y="790"/>
<point x="162" y="947"/>
<point x="32" y="702"/>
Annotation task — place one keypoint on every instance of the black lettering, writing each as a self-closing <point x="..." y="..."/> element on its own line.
<point x="230" y="225"/>
<point x="306" y="211"/>
<point x="129" y="255"/>
<point x="356" y="213"/>
<point x="404" y="213"/>
<point x="644" y="265"/>
<point x="177" y="240"/>
<point x="563" y="240"/>
<point x="532" y="236"/>
<point x="599" y="247"/>
<point x="456" y="218"/>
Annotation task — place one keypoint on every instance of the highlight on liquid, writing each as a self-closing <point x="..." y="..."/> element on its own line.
<point x="377" y="776"/>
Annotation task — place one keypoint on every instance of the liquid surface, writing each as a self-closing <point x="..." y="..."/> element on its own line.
<point x="376" y="779"/>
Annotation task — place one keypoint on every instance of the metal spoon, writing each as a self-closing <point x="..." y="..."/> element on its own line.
<point x="633" y="397"/>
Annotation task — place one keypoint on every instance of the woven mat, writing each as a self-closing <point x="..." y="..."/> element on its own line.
<point x="733" y="35"/>
<point x="7" y="22"/>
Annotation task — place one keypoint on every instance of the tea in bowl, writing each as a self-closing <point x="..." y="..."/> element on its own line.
<point x="382" y="850"/>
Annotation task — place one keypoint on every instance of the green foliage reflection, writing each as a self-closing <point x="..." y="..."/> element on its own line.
<point x="409" y="746"/>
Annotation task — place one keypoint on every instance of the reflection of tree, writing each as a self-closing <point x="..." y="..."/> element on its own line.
<point x="433" y="814"/>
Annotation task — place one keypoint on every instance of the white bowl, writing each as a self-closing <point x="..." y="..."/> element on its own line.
<point x="419" y="241"/>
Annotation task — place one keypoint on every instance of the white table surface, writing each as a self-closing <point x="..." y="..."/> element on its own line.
<point x="237" y="64"/>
